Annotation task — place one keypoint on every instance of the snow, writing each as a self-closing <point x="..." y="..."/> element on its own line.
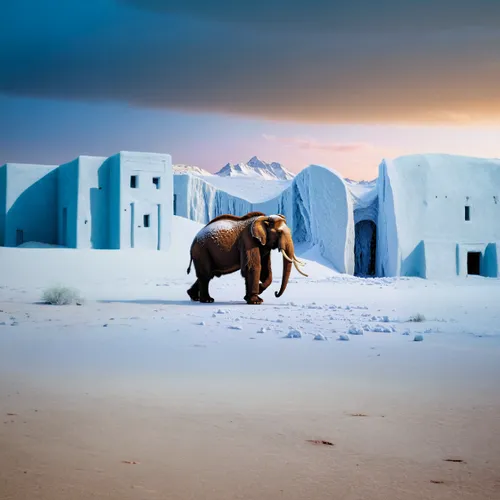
<point x="190" y="169"/>
<point x="355" y="330"/>
<point x="294" y="334"/>
<point x="320" y="336"/>
<point x="363" y="192"/>
<point x="254" y="169"/>
<point x="201" y="201"/>
<point x="254" y="190"/>
<point x="257" y="168"/>
<point x="141" y="297"/>
<point x="216" y="229"/>
<point x="318" y="208"/>
<point x="421" y="223"/>
<point x="138" y="350"/>
<point x="36" y="244"/>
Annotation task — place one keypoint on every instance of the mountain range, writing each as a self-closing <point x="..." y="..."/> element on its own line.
<point x="254" y="168"/>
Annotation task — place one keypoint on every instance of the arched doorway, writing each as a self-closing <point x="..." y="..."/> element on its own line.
<point x="365" y="248"/>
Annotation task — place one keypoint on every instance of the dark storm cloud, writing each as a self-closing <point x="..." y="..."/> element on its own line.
<point x="344" y="15"/>
<point x="436" y="63"/>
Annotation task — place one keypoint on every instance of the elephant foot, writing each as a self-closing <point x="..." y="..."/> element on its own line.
<point x="253" y="299"/>
<point x="206" y="300"/>
<point x="193" y="295"/>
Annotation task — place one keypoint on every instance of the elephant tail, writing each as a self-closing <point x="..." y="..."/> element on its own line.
<point x="189" y="268"/>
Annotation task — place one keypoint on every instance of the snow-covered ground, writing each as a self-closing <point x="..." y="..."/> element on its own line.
<point x="209" y="397"/>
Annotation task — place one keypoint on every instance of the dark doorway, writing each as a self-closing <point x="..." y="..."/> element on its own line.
<point x="19" y="237"/>
<point x="474" y="263"/>
<point x="365" y="248"/>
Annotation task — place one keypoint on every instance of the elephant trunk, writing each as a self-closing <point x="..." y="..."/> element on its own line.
<point x="286" y="244"/>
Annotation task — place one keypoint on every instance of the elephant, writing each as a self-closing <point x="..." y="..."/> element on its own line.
<point x="229" y="243"/>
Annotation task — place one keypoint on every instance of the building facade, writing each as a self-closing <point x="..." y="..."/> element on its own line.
<point x="124" y="201"/>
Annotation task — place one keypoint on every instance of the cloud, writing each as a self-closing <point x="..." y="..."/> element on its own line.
<point x="336" y="15"/>
<point x="313" y="144"/>
<point x="398" y="62"/>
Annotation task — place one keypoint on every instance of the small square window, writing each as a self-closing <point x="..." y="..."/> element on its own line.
<point x="146" y="220"/>
<point x="156" y="182"/>
<point x="133" y="181"/>
<point x="467" y="212"/>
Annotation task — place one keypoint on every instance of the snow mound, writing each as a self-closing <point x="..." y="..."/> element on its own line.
<point x="355" y="330"/>
<point x="294" y="334"/>
<point x="319" y="336"/>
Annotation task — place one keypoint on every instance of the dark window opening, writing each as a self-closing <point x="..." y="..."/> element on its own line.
<point x="156" y="182"/>
<point x="175" y="204"/>
<point x="19" y="237"/>
<point x="474" y="263"/>
<point x="146" y="220"/>
<point x="467" y="212"/>
<point x="133" y="181"/>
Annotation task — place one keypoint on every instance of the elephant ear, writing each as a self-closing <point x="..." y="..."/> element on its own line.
<point x="258" y="229"/>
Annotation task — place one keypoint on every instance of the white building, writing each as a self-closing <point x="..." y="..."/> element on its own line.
<point x="124" y="201"/>
<point x="439" y="216"/>
<point x="431" y="216"/>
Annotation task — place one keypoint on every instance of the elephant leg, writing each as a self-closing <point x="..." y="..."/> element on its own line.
<point x="204" y="294"/>
<point x="194" y="291"/>
<point x="204" y="273"/>
<point x="252" y="277"/>
<point x="266" y="274"/>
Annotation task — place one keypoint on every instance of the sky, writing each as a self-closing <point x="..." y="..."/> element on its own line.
<point x="339" y="83"/>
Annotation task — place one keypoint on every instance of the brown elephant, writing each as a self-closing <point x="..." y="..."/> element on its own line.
<point x="228" y="243"/>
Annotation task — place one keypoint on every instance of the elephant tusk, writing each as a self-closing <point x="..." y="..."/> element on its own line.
<point x="299" y="262"/>
<point x="286" y="256"/>
<point x="299" y="270"/>
<point x="294" y="263"/>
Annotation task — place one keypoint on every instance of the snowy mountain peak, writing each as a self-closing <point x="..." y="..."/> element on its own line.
<point x="255" y="167"/>
<point x="190" y="169"/>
